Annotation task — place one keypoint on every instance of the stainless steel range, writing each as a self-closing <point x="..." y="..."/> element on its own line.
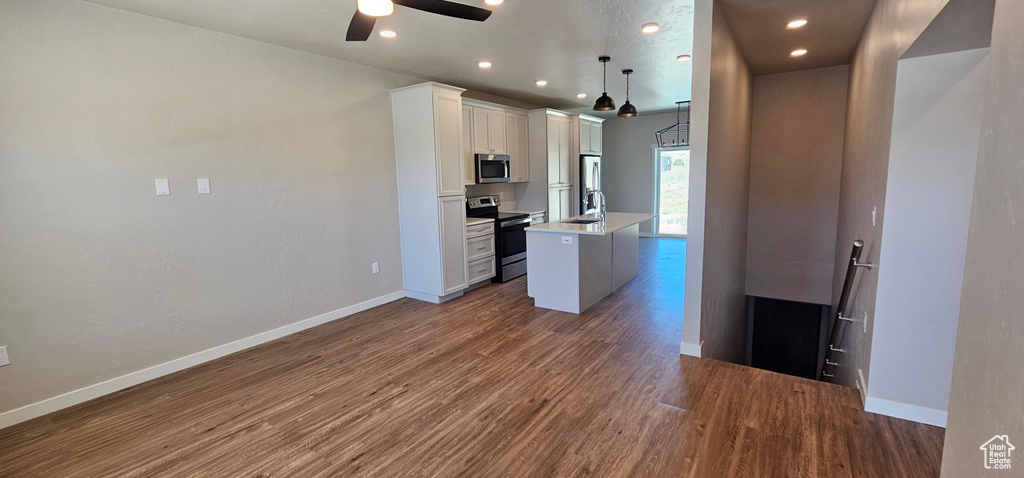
<point x="511" y="236"/>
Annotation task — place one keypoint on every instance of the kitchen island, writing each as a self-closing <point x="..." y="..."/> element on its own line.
<point x="572" y="265"/>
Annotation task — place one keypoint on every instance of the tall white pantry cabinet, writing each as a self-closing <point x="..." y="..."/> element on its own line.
<point x="431" y="190"/>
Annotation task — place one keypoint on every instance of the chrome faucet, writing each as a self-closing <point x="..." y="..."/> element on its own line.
<point x="595" y="192"/>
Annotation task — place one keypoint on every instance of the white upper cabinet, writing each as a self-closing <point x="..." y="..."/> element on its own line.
<point x="489" y="131"/>
<point x="551" y="137"/>
<point x="448" y="142"/>
<point x="564" y="151"/>
<point x="596" y="137"/>
<point x="590" y="135"/>
<point x="468" y="164"/>
<point x="517" y="136"/>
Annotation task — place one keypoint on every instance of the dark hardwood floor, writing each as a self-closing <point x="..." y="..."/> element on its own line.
<point x="484" y="386"/>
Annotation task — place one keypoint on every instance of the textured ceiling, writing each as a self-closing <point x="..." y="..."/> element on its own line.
<point x="526" y="40"/>
<point x="830" y="37"/>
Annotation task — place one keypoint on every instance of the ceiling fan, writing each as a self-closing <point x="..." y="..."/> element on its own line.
<point x="362" y="22"/>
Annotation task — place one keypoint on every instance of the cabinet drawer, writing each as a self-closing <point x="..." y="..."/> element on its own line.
<point x="478" y="230"/>
<point x="479" y="247"/>
<point x="481" y="270"/>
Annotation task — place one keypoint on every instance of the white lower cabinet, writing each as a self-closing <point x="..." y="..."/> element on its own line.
<point x="453" y="243"/>
<point x="481" y="270"/>
<point x="480" y="254"/>
<point x="559" y="203"/>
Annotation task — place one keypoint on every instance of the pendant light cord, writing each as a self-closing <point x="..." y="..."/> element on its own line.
<point x="604" y="85"/>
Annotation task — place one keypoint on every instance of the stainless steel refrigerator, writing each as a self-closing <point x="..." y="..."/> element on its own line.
<point x="590" y="178"/>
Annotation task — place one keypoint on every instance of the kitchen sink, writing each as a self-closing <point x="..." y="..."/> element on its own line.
<point x="582" y="221"/>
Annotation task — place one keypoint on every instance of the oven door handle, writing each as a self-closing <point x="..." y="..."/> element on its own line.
<point x="516" y="222"/>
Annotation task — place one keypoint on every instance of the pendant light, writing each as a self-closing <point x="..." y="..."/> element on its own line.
<point x="627" y="110"/>
<point x="605" y="102"/>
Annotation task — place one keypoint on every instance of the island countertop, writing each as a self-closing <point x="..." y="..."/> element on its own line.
<point x="614" y="221"/>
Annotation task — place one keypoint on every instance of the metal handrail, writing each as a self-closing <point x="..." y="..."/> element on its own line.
<point x="841" y="321"/>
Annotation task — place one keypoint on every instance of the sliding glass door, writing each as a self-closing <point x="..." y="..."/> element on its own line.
<point x="672" y="190"/>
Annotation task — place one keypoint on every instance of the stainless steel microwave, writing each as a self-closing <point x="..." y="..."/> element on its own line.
<point x="493" y="168"/>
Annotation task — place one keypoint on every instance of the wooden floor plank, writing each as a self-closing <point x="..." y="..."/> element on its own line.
<point x="488" y="386"/>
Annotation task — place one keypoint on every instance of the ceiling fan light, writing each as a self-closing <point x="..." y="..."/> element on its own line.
<point x="627" y="110"/>
<point x="376" y="8"/>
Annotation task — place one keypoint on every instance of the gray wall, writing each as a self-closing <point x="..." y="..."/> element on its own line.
<point x="988" y="387"/>
<point x="629" y="163"/>
<point x="100" y="276"/>
<point x="928" y="203"/>
<point x="795" y="158"/>
<point x="723" y="322"/>
<point x="893" y="27"/>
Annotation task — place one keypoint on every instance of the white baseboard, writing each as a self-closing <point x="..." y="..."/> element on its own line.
<point x="914" y="413"/>
<point x="433" y="299"/>
<point x="646" y="234"/>
<point x="90" y="392"/>
<point x="693" y="350"/>
<point x="862" y="386"/>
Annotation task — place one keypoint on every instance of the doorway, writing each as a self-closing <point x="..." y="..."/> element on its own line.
<point x="671" y="190"/>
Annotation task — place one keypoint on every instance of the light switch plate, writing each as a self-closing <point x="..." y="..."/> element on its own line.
<point x="4" y="359"/>
<point x="566" y="239"/>
<point x="163" y="187"/>
<point x="204" y="186"/>
<point x="375" y="267"/>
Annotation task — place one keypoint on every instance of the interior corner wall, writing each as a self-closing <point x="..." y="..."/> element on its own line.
<point x="723" y="318"/>
<point x="628" y="161"/>
<point x="102" y="278"/>
<point x="795" y="158"/>
<point x="987" y="395"/>
<point x="893" y="27"/>
<point x="703" y="11"/>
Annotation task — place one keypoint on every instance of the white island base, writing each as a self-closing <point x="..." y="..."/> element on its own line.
<point x="573" y="266"/>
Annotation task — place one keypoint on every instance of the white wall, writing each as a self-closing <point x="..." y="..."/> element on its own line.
<point x="796" y="154"/>
<point x="101" y="277"/>
<point x="935" y="137"/>
<point x="720" y="162"/>
<point x="628" y="161"/>
<point x="988" y="387"/>
<point x="893" y="27"/>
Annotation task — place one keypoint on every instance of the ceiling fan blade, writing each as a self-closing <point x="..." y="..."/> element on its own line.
<point x="448" y="9"/>
<point x="360" y="28"/>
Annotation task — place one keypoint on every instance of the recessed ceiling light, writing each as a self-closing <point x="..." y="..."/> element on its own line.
<point x="484" y="64"/>
<point x="581" y="95"/>
<point x="388" y="34"/>
<point x="542" y="83"/>
<point x="800" y="52"/>
<point x="799" y="22"/>
<point x="493" y="2"/>
<point x="683" y="58"/>
<point x="650" y="28"/>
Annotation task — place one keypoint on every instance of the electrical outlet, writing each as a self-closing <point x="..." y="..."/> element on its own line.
<point x="865" y="322"/>
<point x="376" y="267"/>
<point x="566" y="239"/>
<point x="204" y="186"/>
<point x="163" y="187"/>
<point x="874" y="216"/>
<point x="4" y="359"/>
